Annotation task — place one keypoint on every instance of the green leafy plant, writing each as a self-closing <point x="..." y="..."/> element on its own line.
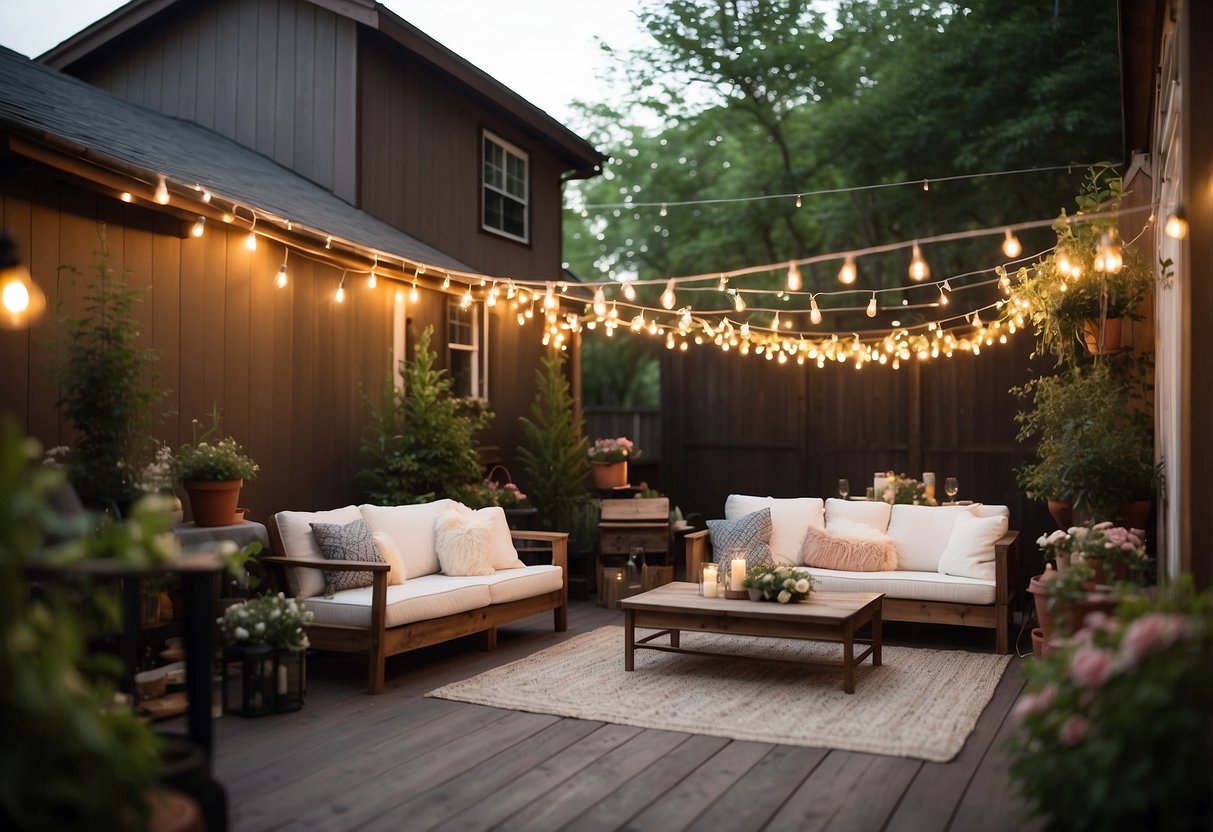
<point x="901" y="489"/>
<point x="420" y="442"/>
<point x="275" y="620"/>
<point x="71" y="758"/>
<point x="783" y="584"/>
<point x="106" y="386"/>
<point x="211" y="459"/>
<point x="491" y="493"/>
<point x="554" y="452"/>
<point x="1115" y="724"/>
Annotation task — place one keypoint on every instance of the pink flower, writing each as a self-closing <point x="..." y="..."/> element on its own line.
<point x="1090" y="666"/>
<point x="1151" y="633"/>
<point x="1073" y="731"/>
<point x="1034" y="703"/>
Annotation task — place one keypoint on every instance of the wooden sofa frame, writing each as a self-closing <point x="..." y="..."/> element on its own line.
<point x="996" y="616"/>
<point x="379" y="641"/>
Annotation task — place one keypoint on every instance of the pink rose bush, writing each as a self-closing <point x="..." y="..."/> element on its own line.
<point x="1103" y="541"/>
<point x="1114" y="725"/>
<point x="620" y="449"/>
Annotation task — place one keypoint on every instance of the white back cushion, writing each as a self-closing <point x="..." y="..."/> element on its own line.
<point x="391" y="556"/>
<point x="297" y="541"/>
<point x="502" y="554"/>
<point x="411" y="528"/>
<point x="922" y="533"/>
<point x="790" y="520"/>
<point x="873" y="513"/>
<point x="970" y="550"/>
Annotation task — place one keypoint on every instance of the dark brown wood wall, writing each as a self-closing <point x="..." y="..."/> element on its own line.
<point x="419" y="165"/>
<point x="741" y="424"/>
<point x="278" y="76"/>
<point x="287" y="367"/>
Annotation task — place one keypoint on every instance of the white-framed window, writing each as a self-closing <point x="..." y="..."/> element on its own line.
<point x="505" y="175"/>
<point x="464" y="355"/>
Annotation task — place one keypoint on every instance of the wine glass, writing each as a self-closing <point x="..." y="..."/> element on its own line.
<point x="950" y="487"/>
<point x="844" y="488"/>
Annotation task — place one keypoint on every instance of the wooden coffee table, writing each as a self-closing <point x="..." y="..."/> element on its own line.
<point x="824" y="616"/>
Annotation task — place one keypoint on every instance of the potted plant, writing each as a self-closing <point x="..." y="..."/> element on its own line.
<point x="1115" y="725"/>
<point x="213" y="470"/>
<point x="609" y="461"/>
<point x="782" y="584"/>
<point x="102" y="377"/>
<point x="265" y="643"/>
<point x="900" y="489"/>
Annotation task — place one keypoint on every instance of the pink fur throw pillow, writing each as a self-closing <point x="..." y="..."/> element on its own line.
<point x="849" y="547"/>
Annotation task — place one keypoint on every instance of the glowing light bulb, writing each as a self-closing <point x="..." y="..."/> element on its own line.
<point x="161" y="195"/>
<point x="373" y="280"/>
<point x="943" y="296"/>
<point x="125" y="196"/>
<point x="1063" y="262"/>
<point x="340" y="296"/>
<point x="413" y="293"/>
<point x="1110" y="252"/>
<point x="328" y="242"/>
<point x="848" y="273"/>
<point x="664" y="210"/>
<point x="446" y="282"/>
<point x="198" y="227"/>
<point x="599" y="302"/>
<point x="1176" y="226"/>
<point x="613" y="314"/>
<point x="926" y="184"/>
<point x="667" y="297"/>
<point x="206" y="197"/>
<point x="799" y="200"/>
<point x="281" y="280"/>
<point x="775" y="322"/>
<point x="738" y="302"/>
<point x="872" y="306"/>
<point x="814" y="312"/>
<point x="919" y="270"/>
<point x="549" y="298"/>
<point x="250" y="242"/>
<point x="794" y="281"/>
<point x="629" y="291"/>
<point x="1010" y="245"/>
<point x="466" y="300"/>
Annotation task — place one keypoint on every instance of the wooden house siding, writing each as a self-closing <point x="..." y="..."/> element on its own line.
<point x="278" y="76"/>
<point x="419" y="164"/>
<point x="738" y="424"/>
<point x="287" y="367"/>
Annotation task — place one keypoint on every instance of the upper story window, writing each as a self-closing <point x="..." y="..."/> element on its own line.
<point x="506" y="180"/>
<point x="463" y="353"/>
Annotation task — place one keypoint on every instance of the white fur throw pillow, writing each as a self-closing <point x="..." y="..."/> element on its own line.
<point x="849" y="547"/>
<point x="461" y="541"/>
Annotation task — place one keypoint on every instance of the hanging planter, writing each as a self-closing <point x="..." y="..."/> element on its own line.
<point x="1102" y="339"/>
<point x="609" y="474"/>
<point x="214" y="503"/>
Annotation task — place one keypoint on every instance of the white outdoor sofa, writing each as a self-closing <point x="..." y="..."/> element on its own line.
<point x="917" y="590"/>
<point x="429" y="607"/>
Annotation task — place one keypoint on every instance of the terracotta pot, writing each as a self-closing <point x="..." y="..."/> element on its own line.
<point x="610" y="474"/>
<point x="214" y="503"/>
<point x="1044" y="616"/>
<point x="1105" y="341"/>
<point x="1038" y="643"/>
<point x="1077" y="611"/>
<point x="1135" y="514"/>
<point x="1063" y="513"/>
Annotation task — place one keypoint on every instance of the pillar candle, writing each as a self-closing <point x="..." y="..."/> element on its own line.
<point x="709" y="581"/>
<point x="737" y="575"/>
<point x="928" y="482"/>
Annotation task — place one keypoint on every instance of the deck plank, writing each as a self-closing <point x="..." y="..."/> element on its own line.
<point x="758" y="795"/>
<point x="848" y="791"/>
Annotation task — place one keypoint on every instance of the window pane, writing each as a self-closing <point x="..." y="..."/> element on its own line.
<point x="504" y="177"/>
<point x="492" y="210"/>
<point x="461" y="372"/>
<point x="515" y="218"/>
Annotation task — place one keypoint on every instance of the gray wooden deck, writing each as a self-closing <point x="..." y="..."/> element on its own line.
<point x="400" y="761"/>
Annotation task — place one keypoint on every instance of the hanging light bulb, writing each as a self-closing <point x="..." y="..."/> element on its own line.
<point x="1010" y="245"/>
<point x="775" y="322"/>
<point x="549" y="298"/>
<point x="738" y="302"/>
<point x="926" y="184"/>
<point x="125" y="196"/>
<point x="491" y="300"/>
<point x="161" y="195"/>
<point x="1110" y="251"/>
<point x="466" y="300"/>
<point x="250" y="242"/>
<point x="814" y="312"/>
<point x="510" y="290"/>
<point x="613" y="314"/>
<point x="794" y="281"/>
<point x="206" y="197"/>
<point x="724" y="282"/>
<point x="281" y="280"/>
<point x="919" y="270"/>
<point x="599" y="302"/>
<point x="664" y="210"/>
<point x="667" y="297"/>
<point x="799" y="200"/>
<point x="943" y="295"/>
<point x="21" y="301"/>
<point x="1063" y="262"/>
<point x="1176" y="226"/>
<point x="872" y="306"/>
<point x="198" y="227"/>
<point x="848" y="273"/>
<point x="373" y="280"/>
<point x="413" y="293"/>
<point x="629" y="291"/>
<point x="446" y="282"/>
<point x="340" y="296"/>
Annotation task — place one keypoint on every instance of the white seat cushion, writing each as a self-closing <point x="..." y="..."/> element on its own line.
<point x="874" y="513"/>
<point x="295" y="529"/>
<point x="790" y="520"/>
<point x="917" y="586"/>
<point x="922" y="533"/>
<point x="525" y="582"/>
<point x="418" y="599"/>
<point x="411" y="528"/>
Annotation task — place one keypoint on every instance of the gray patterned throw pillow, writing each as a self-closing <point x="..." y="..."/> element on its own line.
<point x="349" y="542"/>
<point x="751" y="533"/>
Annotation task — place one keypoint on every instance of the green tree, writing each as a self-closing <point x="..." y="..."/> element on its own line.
<point x="420" y="444"/>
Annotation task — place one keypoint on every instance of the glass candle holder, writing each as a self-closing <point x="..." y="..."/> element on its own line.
<point x="709" y="580"/>
<point x="736" y="561"/>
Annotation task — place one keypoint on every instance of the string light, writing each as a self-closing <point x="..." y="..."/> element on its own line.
<point x="848" y="273"/>
<point x="125" y="196"/>
<point x="1176" y="226"/>
<point x="22" y="302"/>
<point x="373" y="280"/>
<point x="943" y="290"/>
<point x="206" y="197"/>
<point x="413" y="293"/>
<point x="446" y="282"/>
<point x="340" y="296"/>
<point x="1109" y="253"/>
<point x="794" y="282"/>
<point x="466" y="300"/>
<point x="491" y="300"/>
<point x="1010" y="245"/>
<point x="629" y="291"/>
<point x="919" y="270"/>
<point x="199" y="226"/>
<point x="871" y="311"/>
<point x="926" y="184"/>
<point x="799" y="200"/>
<point x="250" y="242"/>
<point x="599" y="302"/>
<point x="814" y="312"/>
<point x="328" y="242"/>
<point x="664" y="210"/>
<point x="281" y="280"/>
<point x="667" y="297"/>
<point x="161" y="195"/>
<point x="738" y="302"/>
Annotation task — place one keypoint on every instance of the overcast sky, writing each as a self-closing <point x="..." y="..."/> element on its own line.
<point x="542" y="49"/>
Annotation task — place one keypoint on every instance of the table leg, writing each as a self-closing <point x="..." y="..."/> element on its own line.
<point x="848" y="659"/>
<point x="629" y="638"/>
<point x="675" y="638"/>
<point x="876" y="626"/>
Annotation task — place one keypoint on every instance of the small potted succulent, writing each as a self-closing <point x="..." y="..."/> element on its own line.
<point x="212" y="469"/>
<point x="609" y="461"/>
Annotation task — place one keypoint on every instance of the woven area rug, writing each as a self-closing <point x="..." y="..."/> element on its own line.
<point x="919" y="703"/>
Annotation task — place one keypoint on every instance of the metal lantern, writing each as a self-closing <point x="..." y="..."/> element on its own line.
<point x="290" y="680"/>
<point x="250" y="680"/>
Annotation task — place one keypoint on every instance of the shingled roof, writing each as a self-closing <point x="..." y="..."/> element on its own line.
<point x="50" y="107"/>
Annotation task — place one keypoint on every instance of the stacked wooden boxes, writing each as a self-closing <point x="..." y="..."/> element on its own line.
<point x="642" y="522"/>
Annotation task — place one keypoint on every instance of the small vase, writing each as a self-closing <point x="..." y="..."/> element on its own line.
<point x="1063" y="513"/>
<point x="214" y="503"/>
<point x="610" y="474"/>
